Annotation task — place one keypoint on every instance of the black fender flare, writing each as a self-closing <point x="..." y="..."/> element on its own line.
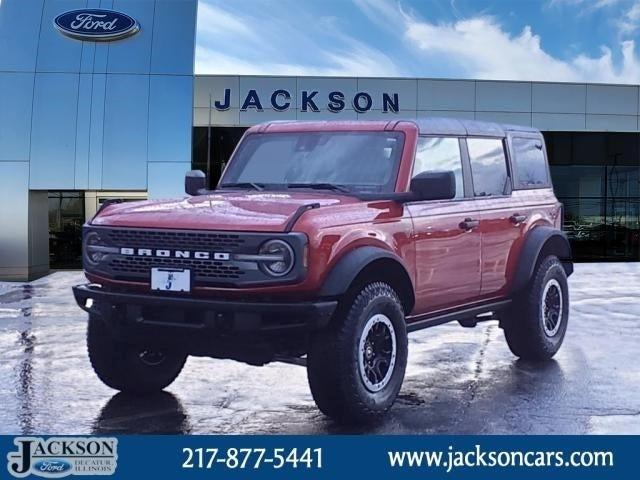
<point x="534" y="242"/>
<point x="349" y="267"/>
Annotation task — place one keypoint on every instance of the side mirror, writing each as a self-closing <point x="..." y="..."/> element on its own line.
<point x="194" y="181"/>
<point x="434" y="185"/>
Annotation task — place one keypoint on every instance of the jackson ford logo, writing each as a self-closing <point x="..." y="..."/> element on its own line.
<point x="96" y="24"/>
<point x="57" y="457"/>
<point x="148" y="252"/>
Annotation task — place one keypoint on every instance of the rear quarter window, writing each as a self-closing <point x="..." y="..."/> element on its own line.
<point x="529" y="163"/>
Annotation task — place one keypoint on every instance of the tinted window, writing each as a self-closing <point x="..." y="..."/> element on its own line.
<point x="440" y="154"/>
<point x="361" y="161"/>
<point x="488" y="166"/>
<point x="529" y="163"/>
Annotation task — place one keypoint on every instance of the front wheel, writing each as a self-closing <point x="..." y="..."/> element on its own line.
<point x="356" y="367"/>
<point x="127" y="367"/>
<point x="537" y="321"/>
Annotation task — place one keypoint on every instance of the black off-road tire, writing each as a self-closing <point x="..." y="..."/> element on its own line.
<point x="333" y="362"/>
<point x="119" y="365"/>
<point x="524" y="325"/>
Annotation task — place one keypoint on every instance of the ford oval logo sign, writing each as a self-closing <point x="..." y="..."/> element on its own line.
<point x="96" y="25"/>
<point x="52" y="467"/>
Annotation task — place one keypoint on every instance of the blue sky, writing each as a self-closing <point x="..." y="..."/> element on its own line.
<point x="554" y="40"/>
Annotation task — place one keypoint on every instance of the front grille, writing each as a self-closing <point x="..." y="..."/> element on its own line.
<point x="224" y="242"/>
<point x="205" y="270"/>
<point x="176" y="244"/>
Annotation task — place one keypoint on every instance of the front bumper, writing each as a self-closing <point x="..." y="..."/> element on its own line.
<point x="173" y="317"/>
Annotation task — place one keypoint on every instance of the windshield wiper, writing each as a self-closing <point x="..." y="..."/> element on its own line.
<point x="320" y="186"/>
<point x="255" y="186"/>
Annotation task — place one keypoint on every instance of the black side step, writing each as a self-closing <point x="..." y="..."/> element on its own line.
<point x="299" y="361"/>
<point x="467" y="316"/>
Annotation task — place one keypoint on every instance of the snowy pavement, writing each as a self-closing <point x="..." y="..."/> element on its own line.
<point x="458" y="380"/>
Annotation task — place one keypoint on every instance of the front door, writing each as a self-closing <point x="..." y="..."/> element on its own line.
<point x="446" y="233"/>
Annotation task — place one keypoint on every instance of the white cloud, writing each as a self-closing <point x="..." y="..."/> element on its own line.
<point x="627" y="24"/>
<point x="484" y="50"/>
<point x="631" y="20"/>
<point x="602" y="68"/>
<point x="215" y="22"/>
<point x="355" y="63"/>
<point x="590" y="4"/>
<point x="383" y="13"/>
<point x="241" y="42"/>
<point x="233" y="40"/>
<point x="481" y="48"/>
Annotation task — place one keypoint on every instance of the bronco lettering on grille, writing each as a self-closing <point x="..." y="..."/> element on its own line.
<point x="148" y="252"/>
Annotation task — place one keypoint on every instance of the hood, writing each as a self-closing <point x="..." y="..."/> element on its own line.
<point x="232" y="211"/>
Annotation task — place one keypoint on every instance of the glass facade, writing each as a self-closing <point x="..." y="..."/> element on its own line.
<point x="200" y="149"/>
<point x="66" y="216"/>
<point x="597" y="178"/>
<point x="212" y="148"/>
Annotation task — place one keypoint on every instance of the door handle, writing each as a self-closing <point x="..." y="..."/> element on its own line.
<point x="516" y="218"/>
<point x="469" y="224"/>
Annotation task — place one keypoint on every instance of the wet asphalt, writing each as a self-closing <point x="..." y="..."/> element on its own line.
<point x="458" y="380"/>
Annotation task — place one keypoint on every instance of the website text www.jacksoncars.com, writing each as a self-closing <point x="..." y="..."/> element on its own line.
<point x="452" y="459"/>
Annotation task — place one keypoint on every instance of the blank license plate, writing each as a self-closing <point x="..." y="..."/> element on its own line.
<point x="171" y="279"/>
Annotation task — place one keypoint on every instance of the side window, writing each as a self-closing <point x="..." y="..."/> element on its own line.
<point x="488" y="166"/>
<point x="440" y="154"/>
<point x="529" y="163"/>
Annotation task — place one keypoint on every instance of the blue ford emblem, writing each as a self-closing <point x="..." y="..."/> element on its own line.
<point x="96" y="24"/>
<point x="52" y="467"/>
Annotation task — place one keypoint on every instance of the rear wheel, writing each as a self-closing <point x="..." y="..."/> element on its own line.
<point x="537" y="321"/>
<point x="130" y="368"/>
<point x="356" y="367"/>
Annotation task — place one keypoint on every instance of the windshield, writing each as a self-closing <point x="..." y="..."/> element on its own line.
<point x="344" y="161"/>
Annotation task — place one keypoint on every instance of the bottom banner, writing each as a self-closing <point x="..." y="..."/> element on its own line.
<point x="323" y="457"/>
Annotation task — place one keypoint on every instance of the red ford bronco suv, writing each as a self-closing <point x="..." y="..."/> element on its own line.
<point x="324" y="244"/>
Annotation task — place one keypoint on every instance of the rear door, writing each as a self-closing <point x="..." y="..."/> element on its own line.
<point x="447" y="249"/>
<point x="502" y="217"/>
<point x="532" y="200"/>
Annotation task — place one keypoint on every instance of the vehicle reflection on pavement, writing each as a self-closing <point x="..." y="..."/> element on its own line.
<point x="160" y="413"/>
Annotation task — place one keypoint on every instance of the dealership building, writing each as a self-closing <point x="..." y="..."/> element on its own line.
<point x="105" y="104"/>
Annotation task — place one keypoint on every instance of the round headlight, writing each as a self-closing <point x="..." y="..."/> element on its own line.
<point x="91" y="254"/>
<point x="278" y="258"/>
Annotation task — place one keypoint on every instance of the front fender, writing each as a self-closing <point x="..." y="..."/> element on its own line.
<point x="348" y="267"/>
